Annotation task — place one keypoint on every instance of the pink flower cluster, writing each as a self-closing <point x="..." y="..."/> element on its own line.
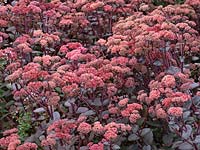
<point x="98" y="146"/>
<point x="84" y="128"/>
<point x="132" y="111"/>
<point x="60" y="129"/>
<point x="112" y="130"/>
<point x="163" y="99"/>
<point x="11" y="141"/>
<point x="175" y="111"/>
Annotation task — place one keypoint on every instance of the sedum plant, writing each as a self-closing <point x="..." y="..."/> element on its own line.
<point x="101" y="74"/>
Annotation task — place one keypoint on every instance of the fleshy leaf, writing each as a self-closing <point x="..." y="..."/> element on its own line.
<point x="187" y="132"/>
<point x="185" y="146"/>
<point x="39" y="110"/>
<point x="82" y="110"/>
<point x="133" y="137"/>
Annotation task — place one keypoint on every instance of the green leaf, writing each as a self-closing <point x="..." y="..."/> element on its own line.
<point x="9" y="103"/>
<point x="1" y="92"/>
<point x="58" y="89"/>
<point x="140" y="121"/>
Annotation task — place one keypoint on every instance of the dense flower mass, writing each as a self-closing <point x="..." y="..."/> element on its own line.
<point x="100" y="74"/>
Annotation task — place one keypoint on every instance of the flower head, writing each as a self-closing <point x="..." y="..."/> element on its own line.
<point x="175" y="111"/>
<point x="84" y="128"/>
<point x="169" y="81"/>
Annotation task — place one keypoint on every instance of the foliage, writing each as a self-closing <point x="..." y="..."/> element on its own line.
<point x="100" y="75"/>
<point x="24" y="125"/>
<point x="167" y="2"/>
